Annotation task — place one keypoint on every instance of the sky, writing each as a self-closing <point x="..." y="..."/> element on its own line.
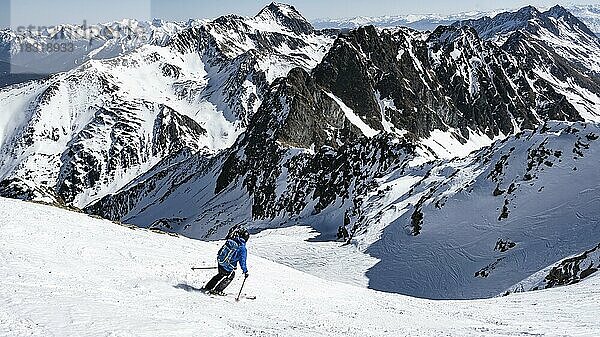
<point x="47" y="13"/>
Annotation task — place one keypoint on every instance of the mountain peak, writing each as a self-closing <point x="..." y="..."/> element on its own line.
<point x="287" y="16"/>
<point x="277" y="7"/>
<point x="449" y="34"/>
<point x="527" y="18"/>
<point x="520" y="17"/>
<point x="558" y="11"/>
<point x="529" y="10"/>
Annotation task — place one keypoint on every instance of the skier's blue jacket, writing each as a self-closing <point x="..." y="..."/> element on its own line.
<point x="231" y="253"/>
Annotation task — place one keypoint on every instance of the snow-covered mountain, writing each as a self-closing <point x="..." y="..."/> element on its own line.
<point x="268" y="122"/>
<point x="112" y="39"/>
<point x="30" y="51"/>
<point x="446" y="92"/>
<point x="415" y="21"/>
<point x="67" y="274"/>
<point x="589" y="14"/>
<point x="381" y="103"/>
<point x="556" y="29"/>
<point x="89" y="131"/>
<point x="79" y="43"/>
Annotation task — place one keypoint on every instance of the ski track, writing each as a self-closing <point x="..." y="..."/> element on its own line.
<point x="296" y="247"/>
<point x="67" y="274"/>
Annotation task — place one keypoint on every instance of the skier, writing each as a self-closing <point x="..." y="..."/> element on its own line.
<point x="232" y="252"/>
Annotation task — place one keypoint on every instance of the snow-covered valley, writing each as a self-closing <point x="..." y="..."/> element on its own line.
<point x="68" y="274"/>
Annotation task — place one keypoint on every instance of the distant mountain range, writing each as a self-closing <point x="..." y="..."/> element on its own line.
<point x="111" y="39"/>
<point x="25" y="53"/>
<point x="589" y="14"/>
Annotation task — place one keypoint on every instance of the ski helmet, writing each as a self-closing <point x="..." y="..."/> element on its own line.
<point x="234" y="232"/>
<point x="244" y="234"/>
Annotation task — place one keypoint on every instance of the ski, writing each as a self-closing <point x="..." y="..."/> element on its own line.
<point x="245" y="296"/>
<point x="231" y="295"/>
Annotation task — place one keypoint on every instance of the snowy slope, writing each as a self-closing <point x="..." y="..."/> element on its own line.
<point x="268" y="122"/>
<point x="567" y="271"/>
<point x="473" y="227"/>
<point x="66" y="274"/>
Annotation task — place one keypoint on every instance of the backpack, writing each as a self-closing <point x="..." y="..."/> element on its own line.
<point x="227" y="253"/>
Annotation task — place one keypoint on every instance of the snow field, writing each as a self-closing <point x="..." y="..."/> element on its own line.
<point x="67" y="274"/>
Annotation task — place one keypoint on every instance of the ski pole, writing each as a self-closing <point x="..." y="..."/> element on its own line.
<point x="203" y="268"/>
<point x="242" y="287"/>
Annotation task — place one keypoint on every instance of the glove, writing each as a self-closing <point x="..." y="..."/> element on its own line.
<point x="246" y="275"/>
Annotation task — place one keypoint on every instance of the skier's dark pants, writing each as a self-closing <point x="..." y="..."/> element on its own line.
<point x="225" y="277"/>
